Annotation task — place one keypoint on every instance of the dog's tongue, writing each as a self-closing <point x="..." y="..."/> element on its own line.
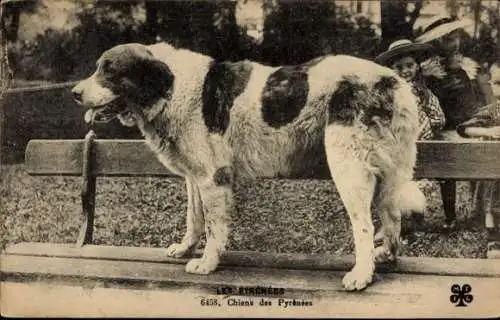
<point x="89" y="115"/>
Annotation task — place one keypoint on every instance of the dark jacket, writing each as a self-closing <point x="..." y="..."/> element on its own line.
<point x="459" y="96"/>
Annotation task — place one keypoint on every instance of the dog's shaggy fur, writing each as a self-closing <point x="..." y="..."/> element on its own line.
<point x="214" y="122"/>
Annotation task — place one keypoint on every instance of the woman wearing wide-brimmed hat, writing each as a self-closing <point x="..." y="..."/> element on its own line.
<point x="455" y="80"/>
<point x="466" y="98"/>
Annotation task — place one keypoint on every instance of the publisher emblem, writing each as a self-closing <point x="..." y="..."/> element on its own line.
<point x="461" y="295"/>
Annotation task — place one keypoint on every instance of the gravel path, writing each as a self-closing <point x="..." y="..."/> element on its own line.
<point x="304" y="216"/>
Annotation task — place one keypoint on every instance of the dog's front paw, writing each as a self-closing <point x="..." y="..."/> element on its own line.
<point x="358" y="278"/>
<point x="178" y="250"/>
<point x="201" y="266"/>
<point x="382" y="255"/>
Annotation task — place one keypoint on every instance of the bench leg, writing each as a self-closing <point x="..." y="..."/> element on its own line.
<point x="88" y="192"/>
<point x="88" y="210"/>
<point x="485" y="198"/>
<point x="449" y="195"/>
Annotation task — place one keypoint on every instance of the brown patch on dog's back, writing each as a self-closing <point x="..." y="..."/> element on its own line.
<point x="386" y="87"/>
<point x="285" y="93"/>
<point x="344" y="107"/>
<point x="223" y="83"/>
<point x="353" y="99"/>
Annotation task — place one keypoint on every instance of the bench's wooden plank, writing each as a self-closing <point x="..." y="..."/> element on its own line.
<point x="58" y="157"/>
<point x="168" y="274"/>
<point x="112" y="158"/>
<point x="458" y="160"/>
<point x="15" y="266"/>
<point x="436" y="159"/>
<point x="415" y="265"/>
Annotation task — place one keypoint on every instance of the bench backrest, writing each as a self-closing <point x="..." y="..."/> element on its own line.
<point x="436" y="159"/>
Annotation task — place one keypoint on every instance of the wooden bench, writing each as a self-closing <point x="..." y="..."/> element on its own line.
<point x="91" y="158"/>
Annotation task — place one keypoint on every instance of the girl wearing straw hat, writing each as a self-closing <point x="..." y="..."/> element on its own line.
<point x="466" y="98"/>
<point x="404" y="57"/>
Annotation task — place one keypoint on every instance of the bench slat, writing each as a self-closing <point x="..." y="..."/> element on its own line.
<point x="436" y="159"/>
<point x="112" y="158"/>
<point x="54" y="157"/>
<point x="290" y="279"/>
<point x="458" y="160"/>
<point x="407" y="265"/>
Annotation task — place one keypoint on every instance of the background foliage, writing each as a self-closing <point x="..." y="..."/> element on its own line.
<point x="294" y="32"/>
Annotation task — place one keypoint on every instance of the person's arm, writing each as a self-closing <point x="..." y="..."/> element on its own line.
<point x="424" y="126"/>
<point x="435" y="113"/>
<point x="480" y="125"/>
<point x="433" y="67"/>
<point x="476" y="132"/>
<point x="485" y="121"/>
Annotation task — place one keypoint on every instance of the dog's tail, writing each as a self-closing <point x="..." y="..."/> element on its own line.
<point x="411" y="198"/>
<point x="394" y="101"/>
<point x="404" y="126"/>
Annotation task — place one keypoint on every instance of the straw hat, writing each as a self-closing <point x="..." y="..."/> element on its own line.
<point x="404" y="47"/>
<point x="437" y="27"/>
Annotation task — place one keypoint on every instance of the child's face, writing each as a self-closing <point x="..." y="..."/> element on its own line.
<point x="451" y="41"/>
<point x="406" y="68"/>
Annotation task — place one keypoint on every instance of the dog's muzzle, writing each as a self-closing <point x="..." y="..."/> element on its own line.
<point x="104" y="112"/>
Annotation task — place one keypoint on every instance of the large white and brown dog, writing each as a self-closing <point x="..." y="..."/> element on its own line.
<point x="213" y="122"/>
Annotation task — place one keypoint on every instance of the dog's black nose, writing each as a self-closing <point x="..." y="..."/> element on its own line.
<point x="77" y="94"/>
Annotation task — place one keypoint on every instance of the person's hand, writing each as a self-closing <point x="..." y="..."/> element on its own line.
<point x="493" y="133"/>
<point x="490" y="133"/>
<point x="433" y="67"/>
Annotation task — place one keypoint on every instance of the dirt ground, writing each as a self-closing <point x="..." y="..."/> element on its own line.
<point x="304" y="216"/>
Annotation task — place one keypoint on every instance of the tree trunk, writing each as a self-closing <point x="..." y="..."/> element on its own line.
<point x="476" y="9"/>
<point x="10" y="21"/>
<point x="396" y="21"/>
<point x="151" y="24"/>
<point x="453" y="7"/>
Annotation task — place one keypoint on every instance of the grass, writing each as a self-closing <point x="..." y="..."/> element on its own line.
<point x="273" y="215"/>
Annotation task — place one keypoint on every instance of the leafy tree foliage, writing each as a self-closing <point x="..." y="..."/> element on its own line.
<point x="294" y="32"/>
<point x="398" y="17"/>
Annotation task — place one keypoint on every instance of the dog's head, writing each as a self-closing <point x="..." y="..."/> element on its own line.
<point x="126" y="75"/>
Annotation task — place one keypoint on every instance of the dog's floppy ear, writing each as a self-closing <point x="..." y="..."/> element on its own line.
<point x="149" y="79"/>
<point x="160" y="76"/>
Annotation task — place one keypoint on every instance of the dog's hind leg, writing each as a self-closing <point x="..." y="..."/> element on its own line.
<point x="355" y="183"/>
<point x="195" y="223"/>
<point x="390" y="217"/>
<point x="218" y="204"/>
<point x="396" y="194"/>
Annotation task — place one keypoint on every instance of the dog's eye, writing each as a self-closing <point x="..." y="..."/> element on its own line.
<point x="107" y="66"/>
